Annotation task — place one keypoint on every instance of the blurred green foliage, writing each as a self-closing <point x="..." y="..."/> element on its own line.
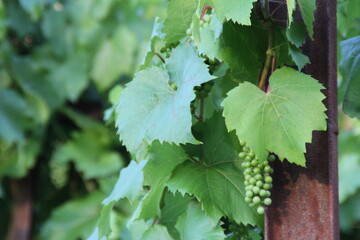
<point x="58" y="62"/>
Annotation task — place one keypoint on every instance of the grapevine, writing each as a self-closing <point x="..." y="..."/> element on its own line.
<point x="258" y="181"/>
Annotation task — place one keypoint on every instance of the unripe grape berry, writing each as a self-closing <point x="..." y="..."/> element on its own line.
<point x="263" y="193"/>
<point x="251" y="154"/>
<point x="268" y="193"/>
<point x="246" y="183"/>
<point x="256" y="189"/>
<point x="256" y="170"/>
<point x="259" y="183"/>
<point x="271" y="158"/>
<point x="247" y="149"/>
<point x="242" y="143"/>
<point x="258" y="177"/>
<point x="249" y="194"/>
<point x="201" y="23"/>
<point x="247" y="158"/>
<point x="247" y="171"/>
<point x="267" y="201"/>
<point x="252" y="181"/>
<point x="267" y="186"/>
<point x="244" y="165"/>
<point x="207" y="18"/>
<point x="247" y="177"/>
<point x="256" y="200"/>
<point x="268" y="179"/>
<point x="267" y="169"/>
<point x="242" y="155"/>
<point x="248" y="199"/>
<point x="260" y="210"/>
<point x="188" y="32"/>
<point x="254" y="162"/>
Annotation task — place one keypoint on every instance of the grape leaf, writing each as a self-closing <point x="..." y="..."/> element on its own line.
<point x="237" y="41"/>
<point x="155" y="37"/>
<point x="165" y="112"/>
<point x="194" y="224"/>
<point x="350" y="70"/>
<point x="157" y="232"/>
<point x="179" y="17"/>
<point x="291" y="4"/>
<point x="129" y="184"/>
<point x="174" y="206"/>
<point x="236" y="10"/>
<point x="300" y="59"/>
<point x="217" y="183"/>
<point x="307" y="8"/>
<point x="280" y="120"/>
<point x="163" y="158"/>
<point x="296" y="33"/>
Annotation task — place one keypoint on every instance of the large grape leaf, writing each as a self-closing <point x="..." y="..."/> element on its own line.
<point x="150" y="109"/>
<point x="281" y="120"/>
<point x="236" y="10"/>
<point x="179" y="17"/>
<point x="237" y="41"/>
<point x="350" y="71"/>
<point x="163" y="158"/>
<point x="194" y="224"/>
<point x="216" y="182"/>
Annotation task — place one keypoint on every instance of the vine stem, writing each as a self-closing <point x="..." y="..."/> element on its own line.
<point x="269" y="53"/>
<point x="201" y="116"/>
<point x="159" y="56"/>
<point x="204" y="11"/>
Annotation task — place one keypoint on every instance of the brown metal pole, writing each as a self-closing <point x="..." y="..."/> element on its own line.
<point x="21" y="219"/>
<point x="305" y="200"/>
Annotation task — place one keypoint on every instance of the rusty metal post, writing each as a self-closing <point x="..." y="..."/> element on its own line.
<point x="305" y="200"/>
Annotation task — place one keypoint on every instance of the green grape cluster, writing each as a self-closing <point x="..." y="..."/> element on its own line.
<point x="203" y="90"/>
<point x="258" y="181"/>
<point x="204" y="22"/>
<point x="58" y="174"/>
<point x="167" y="49"/>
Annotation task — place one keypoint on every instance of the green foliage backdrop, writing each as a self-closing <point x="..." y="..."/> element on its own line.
<point x="63" y="66"/>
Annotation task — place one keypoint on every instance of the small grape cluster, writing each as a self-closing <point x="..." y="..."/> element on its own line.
<point x="58" y="174"/>
<point x="167" y="49"/>
<point x="203" y="90"/>
<point x="204" y="22"/>
<point x="258" y="181"/>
